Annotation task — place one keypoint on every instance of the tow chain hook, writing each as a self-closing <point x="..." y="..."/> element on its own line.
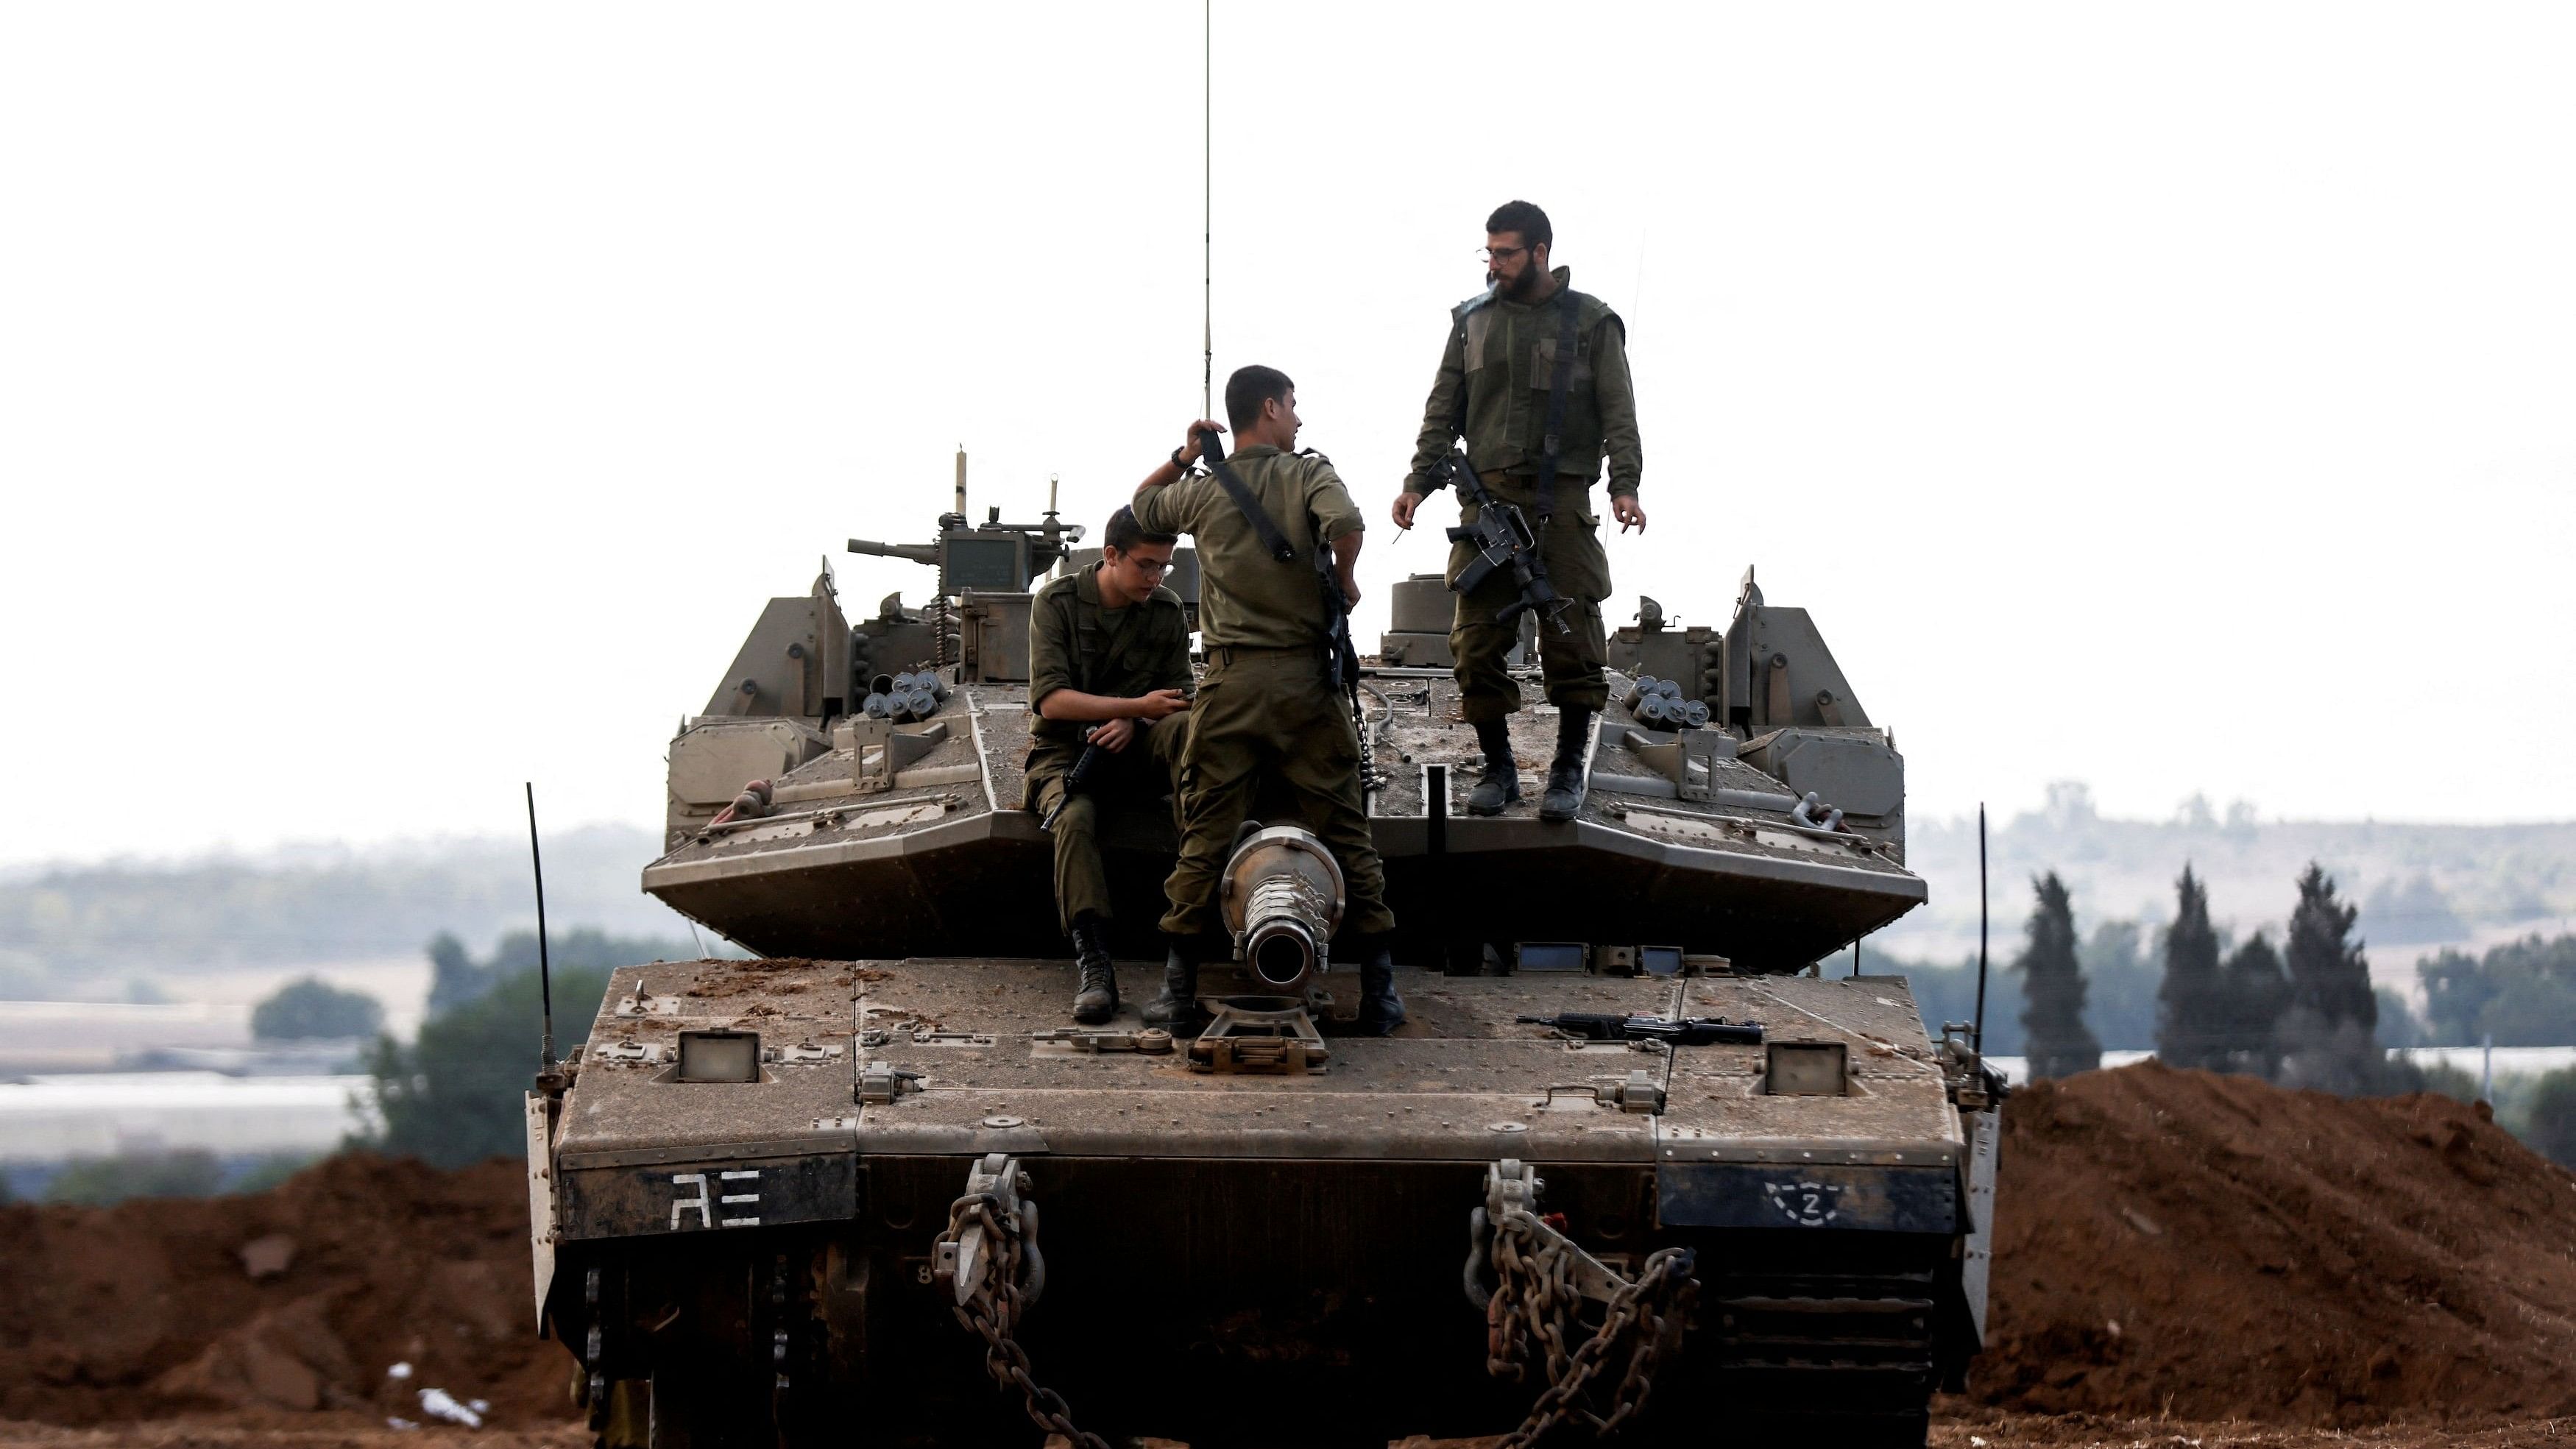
<point x="1541" y="1280"/>
<point x="988" y="1257"/>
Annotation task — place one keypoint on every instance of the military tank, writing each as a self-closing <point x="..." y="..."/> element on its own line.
<point x="1634" y="1167"/>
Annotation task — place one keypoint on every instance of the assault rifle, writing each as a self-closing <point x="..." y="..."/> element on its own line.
<point x="1503" y="539"/>
<point x="1074" y="780"/>
<point x="1684" y="1031"/>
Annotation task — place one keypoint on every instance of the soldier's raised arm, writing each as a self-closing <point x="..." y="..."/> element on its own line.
<point x="1173" y="469"/>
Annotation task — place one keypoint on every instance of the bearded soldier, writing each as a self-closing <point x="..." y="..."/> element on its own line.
<point x="1535" y="380"/>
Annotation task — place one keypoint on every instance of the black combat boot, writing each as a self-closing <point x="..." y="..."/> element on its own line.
<point x="1381" y="1010"/>
<point x="1177" y="1009"/>
<point x="1096" y="999"/>
<point x="1500" y="785"/>
<point x="1565" y="776"/>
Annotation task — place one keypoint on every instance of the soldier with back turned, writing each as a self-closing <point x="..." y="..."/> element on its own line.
<point x="1535" y="379"/>
<point x="1267" y="717"/>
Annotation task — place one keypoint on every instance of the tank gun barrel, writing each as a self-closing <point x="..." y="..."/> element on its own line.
<point x="1282" y="896"/>
<point x="922" y="553"/>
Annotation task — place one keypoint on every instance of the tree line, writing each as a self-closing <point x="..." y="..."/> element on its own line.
<point x="2304" y="1013"/>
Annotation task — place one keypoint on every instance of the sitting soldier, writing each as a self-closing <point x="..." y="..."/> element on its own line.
<point x="1109" y="658"/>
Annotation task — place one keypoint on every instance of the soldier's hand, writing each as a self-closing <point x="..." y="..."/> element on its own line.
<point x="1191" y="447"/>
<point x="1350" y="587"/>
<point x="1623" y="507"/>
<point x="1161" y="702"/>
<point x="1405" y="503"/>
<point x="1114" y="735"/>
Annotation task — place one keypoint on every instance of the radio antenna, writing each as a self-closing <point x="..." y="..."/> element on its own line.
<point x="545" y="973"/>
<point x="1981" y="927"/>
<point x="1207" y="209"/>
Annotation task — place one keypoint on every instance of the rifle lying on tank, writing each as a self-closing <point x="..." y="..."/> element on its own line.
<point x="1503" y="539"/>
<point x="1683" y="1031"/>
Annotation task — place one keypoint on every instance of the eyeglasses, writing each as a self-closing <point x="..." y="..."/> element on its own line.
<point x="1495" y="254"/>
<point x="1149" y="565"/>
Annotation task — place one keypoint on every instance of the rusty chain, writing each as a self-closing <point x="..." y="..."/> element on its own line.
<point x="1535" y="1301"/>
<point x="993" y="1312"/>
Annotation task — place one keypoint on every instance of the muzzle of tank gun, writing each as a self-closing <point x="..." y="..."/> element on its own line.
<point x="1283" y="897"/>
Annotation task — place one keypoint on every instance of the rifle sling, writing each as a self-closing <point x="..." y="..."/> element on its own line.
<point x="1277" y="542"/>
<point x="1253" y="513"/>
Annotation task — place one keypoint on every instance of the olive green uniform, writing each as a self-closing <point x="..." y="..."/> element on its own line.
<point x="1502" y="357"/>
<point x="1076" y="643"/>
<point x="1266" y="716"/>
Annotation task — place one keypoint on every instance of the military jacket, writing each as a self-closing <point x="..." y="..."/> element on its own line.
<point x="1503" y="355"/>
<point x="1076" y="644"/>
<point x="1247" y="599"/>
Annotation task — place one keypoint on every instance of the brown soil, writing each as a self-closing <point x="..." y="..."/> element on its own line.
<point x="2189" y="1255"/>
<point x="147" y="1308"/>
<point x="2020" y="1431"/>
<point x="742" y="978"/>
<point x="1983" y="1431"/>
<point x="2217" y="1248"/>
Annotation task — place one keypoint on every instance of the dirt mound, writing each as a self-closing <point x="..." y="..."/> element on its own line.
<point x="294" y="1300"/>
<point x="2219" y="1248"/>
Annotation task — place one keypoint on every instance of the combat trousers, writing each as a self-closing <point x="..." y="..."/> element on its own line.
<point x="1571" y="658"/>
<point x="1137" y="777"/>
<point x="1268" y="720"/>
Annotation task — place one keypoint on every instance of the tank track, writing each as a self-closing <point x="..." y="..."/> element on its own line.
<point x="1854" y="1354"/>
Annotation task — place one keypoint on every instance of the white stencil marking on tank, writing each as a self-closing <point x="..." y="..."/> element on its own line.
<point x="706" y="1210"/>
<point x="1803" y="1203"/>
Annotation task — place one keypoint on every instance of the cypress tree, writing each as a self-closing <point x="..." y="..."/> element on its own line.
<point x="2329" y="1036"/>
<point x="2052" y="1016"/>
<point x="2256" y="993"/>
<point x="2191" y="1020"/>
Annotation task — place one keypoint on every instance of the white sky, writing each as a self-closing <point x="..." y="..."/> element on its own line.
<point x="397" y="403"/>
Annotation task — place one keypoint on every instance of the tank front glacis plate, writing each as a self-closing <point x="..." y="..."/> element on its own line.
<point x="640" y="1152"/>
<point x="1465" y="1082"/>
<point x="1887" y="1157"/>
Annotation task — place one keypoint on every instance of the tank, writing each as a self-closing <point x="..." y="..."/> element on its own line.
<point x="1635" y="1164"/>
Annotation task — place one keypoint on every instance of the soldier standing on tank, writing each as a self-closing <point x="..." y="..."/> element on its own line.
<point x="1536" y="434"/>
<point x="1109" y="665"/>
<point x="1267" y="716"/>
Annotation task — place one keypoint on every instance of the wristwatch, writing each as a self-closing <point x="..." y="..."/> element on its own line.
<point x="1177" y="460"/>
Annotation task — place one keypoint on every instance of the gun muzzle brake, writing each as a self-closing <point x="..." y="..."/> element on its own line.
<point x="1283" y="898"/>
